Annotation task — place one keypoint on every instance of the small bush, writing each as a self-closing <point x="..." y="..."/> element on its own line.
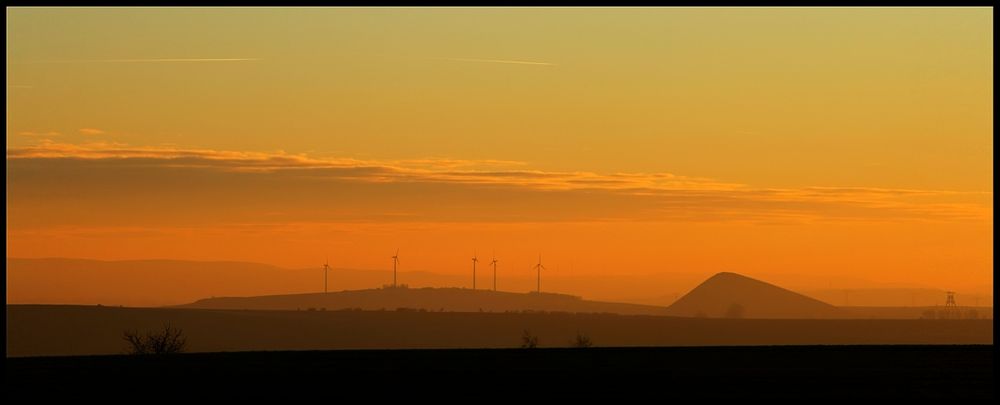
<point x="168" y="341"/>
<point x="582" y="341"/>
<point x="528" y="341"/>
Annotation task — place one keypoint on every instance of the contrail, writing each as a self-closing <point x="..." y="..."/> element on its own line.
<point x="515" y="62"/>
<point x="178" y="60"/>
<point x="147" y="60"/>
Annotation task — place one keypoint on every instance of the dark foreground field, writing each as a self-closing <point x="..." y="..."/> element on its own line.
<point x="63" y="330"/>
<point x="656" y="374"/>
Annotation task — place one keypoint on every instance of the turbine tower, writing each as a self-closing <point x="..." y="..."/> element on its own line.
<point x="395" y="261"/>
<point x="539" y="268"/>
<point x="950" y="302"/>
<point x="326" y="269"/>
<point x="474" y="260"/>
<point x="494" y="264"/>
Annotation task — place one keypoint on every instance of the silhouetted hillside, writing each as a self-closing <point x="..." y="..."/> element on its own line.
<point x="174" y="282"/>
<point x="429" y="299"/>
<point x="730" y="295"/>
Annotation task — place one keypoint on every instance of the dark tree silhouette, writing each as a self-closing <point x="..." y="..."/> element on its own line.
<point x="169" y="340"/>
<point x="582" y="340"/>
<point x="528" y="341"/>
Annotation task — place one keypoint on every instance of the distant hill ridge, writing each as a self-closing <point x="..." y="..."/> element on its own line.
<point x="731" y="295"/>
<point x="724" y="295"/>
<point x="144" y="283"/>
<point x="429" y="299"/>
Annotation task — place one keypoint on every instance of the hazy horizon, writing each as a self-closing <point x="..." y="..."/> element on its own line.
<point x="637" y="150"/>
<point x="90" y="284"/>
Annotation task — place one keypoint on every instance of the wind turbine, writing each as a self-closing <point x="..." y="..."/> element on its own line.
<point x="539" y="268"/>
<point x="494" y="264"/>
<point x="474" y="260"/>
<point x="326" y="269"/>
<point x="395" y="261"/>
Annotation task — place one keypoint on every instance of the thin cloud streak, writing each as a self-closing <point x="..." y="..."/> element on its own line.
<point x="513" y="62"/>
<point x="663" y="195"/>
<point x="39" y="133"/>
<point x="415" y="170"/>
<point x="91" y="131"/>
<point x="159" y="60"/>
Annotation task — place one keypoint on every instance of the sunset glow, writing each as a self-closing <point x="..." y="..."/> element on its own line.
<point x="817" y="148"/>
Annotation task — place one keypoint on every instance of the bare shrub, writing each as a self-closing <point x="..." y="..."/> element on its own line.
<point x="168" y="341"/>
<point x="528" y="341"/>
<point x="582" y="341"/>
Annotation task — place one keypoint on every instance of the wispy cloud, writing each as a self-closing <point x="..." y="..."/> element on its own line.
<point x="39" y="133"/>
<point x="508" y="61"/>
<point x="412" y="170"/>
<point x="149" y="60"/>
<point x="503" y="188"/>
<point x="91" y="131"/>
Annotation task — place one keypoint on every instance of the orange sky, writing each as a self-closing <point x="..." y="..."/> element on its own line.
<point x="798" y="143"/>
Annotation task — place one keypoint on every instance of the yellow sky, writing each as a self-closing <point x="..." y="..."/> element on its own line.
<point x="802" y="140"/>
